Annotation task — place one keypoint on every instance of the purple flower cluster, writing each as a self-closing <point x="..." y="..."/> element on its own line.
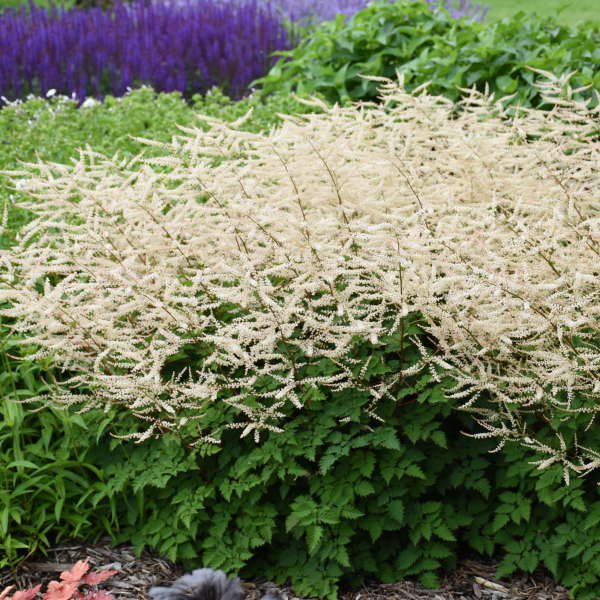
<point x="314" y="11"/>
<point x="89" y="52"/>
<point x="184" y="45"/>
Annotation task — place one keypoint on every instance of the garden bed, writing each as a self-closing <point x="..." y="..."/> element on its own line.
<point x="474" y="578"/>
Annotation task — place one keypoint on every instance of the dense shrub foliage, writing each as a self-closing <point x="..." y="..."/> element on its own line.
<point x="433" y="47"/>
<point x="341" y="499"/>
<point x="47" y="487"/>
<point x="338" y="499"/>
<point x="125" y="267"/>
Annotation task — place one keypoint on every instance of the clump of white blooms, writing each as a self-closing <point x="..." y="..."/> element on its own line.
<point x="486" y="223"/>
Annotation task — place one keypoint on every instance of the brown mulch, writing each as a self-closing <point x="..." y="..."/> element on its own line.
<point x="474" y="579"/>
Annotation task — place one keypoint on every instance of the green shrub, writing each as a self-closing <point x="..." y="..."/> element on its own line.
<point x="324" y="504"/>
<point x="433" y="47"/>
<point x="332" y="496"/>
<point x="261" y="235"/>
<point x="54" y="129"/>
<point x="339" y="499"/>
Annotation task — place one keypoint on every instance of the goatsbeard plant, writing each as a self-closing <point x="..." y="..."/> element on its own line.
<point x="268" y="250"/>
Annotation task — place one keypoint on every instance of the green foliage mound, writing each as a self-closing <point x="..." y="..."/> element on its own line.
<point x="433" y="47"/>
<point x="339" y="499"/>
<point x="336" y="500"/>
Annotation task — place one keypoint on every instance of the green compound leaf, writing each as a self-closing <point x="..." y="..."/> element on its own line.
<point x="314" y="535"/>
<point x="396" y="511"/>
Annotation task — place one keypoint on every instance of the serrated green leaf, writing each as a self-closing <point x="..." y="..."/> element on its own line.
<point x="396" y="511"/>
<point x="364" y="488"/>
<point x="342" y="557"/>
<point x="367" y="464"/>
<point x="439" y="438"/>
<point x="415" y="471"/>
<point x="407" y="558"/>
<point x="314" y="535"/>
<point x="330" y="516"/>
<point x="291" y="522"/>
<point x="350" y="512"/>
<point x="500" y="520"/>
<point x="593" y="516"/>
<point x="429" y="580"/>
<point x="444" y="533"/>
<point x="529" y="562"/>
<point x="438" y="550"/>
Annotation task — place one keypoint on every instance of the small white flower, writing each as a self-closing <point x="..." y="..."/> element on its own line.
<point x="89" y="102"/>
<point x="50" y="93"/>
<point x="20" y="184"/>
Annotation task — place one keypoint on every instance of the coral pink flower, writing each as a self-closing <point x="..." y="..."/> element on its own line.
<point x="5" y="591"/>
<point x="27" y="594"/>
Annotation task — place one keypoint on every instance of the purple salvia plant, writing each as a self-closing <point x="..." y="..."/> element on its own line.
<point x="88" y="52"/>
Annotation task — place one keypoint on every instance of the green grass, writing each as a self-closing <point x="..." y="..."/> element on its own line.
<point x="577" y="10"/>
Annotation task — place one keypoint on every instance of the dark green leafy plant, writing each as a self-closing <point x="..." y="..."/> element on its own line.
<point x="339" y="499"/>
<point x="432" y="46"/>
<point x="48" y="490"/>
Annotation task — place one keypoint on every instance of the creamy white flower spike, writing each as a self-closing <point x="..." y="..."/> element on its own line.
<point x="324" y="229"/>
